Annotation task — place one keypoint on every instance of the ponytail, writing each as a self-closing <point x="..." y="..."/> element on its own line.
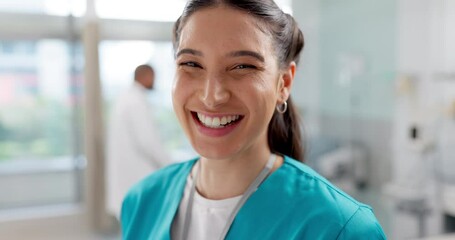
<point x="284" y="135"/>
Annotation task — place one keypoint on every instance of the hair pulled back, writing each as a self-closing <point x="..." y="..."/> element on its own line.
<point x="284" y="135"/>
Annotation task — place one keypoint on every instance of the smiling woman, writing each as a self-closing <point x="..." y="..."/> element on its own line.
<point x="235" y="65"/>
<point x="228" y="71"/>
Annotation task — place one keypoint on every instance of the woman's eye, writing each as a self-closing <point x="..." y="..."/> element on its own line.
<point x="245" y="66"/>
<point x="190" y="64"/>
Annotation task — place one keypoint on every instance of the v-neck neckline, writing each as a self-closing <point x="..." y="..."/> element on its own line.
<point x="177" y="196"/>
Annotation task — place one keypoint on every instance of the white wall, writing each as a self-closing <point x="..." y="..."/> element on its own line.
<point x="306" y="84"/>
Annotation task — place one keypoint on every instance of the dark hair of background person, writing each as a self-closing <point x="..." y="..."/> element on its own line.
<point x="284" y="135"/>
<point x="141" y="70"/>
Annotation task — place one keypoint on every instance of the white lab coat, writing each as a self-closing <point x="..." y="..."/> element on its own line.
<point x="133" y="146"/>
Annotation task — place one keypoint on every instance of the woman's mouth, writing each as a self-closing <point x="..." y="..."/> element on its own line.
<point x="216" y="125"/>
<point x="216" y="121"/>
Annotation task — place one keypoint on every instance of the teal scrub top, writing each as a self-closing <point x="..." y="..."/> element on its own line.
<point x="294" y="202"/>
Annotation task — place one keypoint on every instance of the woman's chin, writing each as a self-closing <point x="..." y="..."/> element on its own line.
<point x="215" y="153"/>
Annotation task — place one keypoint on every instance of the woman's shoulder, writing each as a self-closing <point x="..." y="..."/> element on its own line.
<point x="157" y="185"/>
<point x="148" y="202"/>
<point x="313" y="194"/>
<point x="307" y="182"/>
<point x="160" y="178"/>
<point x="362" y="223"/>
<point x="154" y="191"/>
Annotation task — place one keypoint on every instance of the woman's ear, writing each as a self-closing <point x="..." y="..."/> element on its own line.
<point x="285" y="82"/>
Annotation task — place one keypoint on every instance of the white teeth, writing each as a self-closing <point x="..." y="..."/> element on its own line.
<point x="208" y="121"/>
<point x="201" y="117"/>
<point x="216" y="122"/>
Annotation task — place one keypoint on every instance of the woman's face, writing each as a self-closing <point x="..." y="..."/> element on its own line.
<point x="227" y="83"/>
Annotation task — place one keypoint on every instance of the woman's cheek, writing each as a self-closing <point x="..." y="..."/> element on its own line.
<point x="179" y="81"/>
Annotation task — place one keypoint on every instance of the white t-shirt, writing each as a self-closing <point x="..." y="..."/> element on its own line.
<point x="208" y="219"/>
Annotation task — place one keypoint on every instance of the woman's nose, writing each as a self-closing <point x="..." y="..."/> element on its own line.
<point x="215" y="92"/>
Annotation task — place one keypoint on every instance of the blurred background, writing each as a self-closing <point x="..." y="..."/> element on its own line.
<point x="375" y="88"/>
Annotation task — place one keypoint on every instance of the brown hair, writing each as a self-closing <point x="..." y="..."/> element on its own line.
<point x="284" y="135"/>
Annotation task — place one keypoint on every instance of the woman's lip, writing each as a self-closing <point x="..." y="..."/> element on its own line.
<point x="215" y="132"/>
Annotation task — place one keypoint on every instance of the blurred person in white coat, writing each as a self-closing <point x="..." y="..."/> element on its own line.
<point x="134" y="149"/>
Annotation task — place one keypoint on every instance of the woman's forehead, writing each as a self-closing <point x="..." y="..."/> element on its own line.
<point x="224" y="28"/>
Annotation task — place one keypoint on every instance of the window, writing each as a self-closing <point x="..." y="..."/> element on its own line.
<point x="49" y="7"/>
<point x="38" y="101"/>
<point x="162" y="11"/>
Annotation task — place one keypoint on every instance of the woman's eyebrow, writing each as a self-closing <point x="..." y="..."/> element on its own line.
<point x="189" y="51"/>
<point x="247" y="53"/>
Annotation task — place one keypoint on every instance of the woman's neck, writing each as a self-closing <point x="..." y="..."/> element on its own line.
<point x="226" y="178"/>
